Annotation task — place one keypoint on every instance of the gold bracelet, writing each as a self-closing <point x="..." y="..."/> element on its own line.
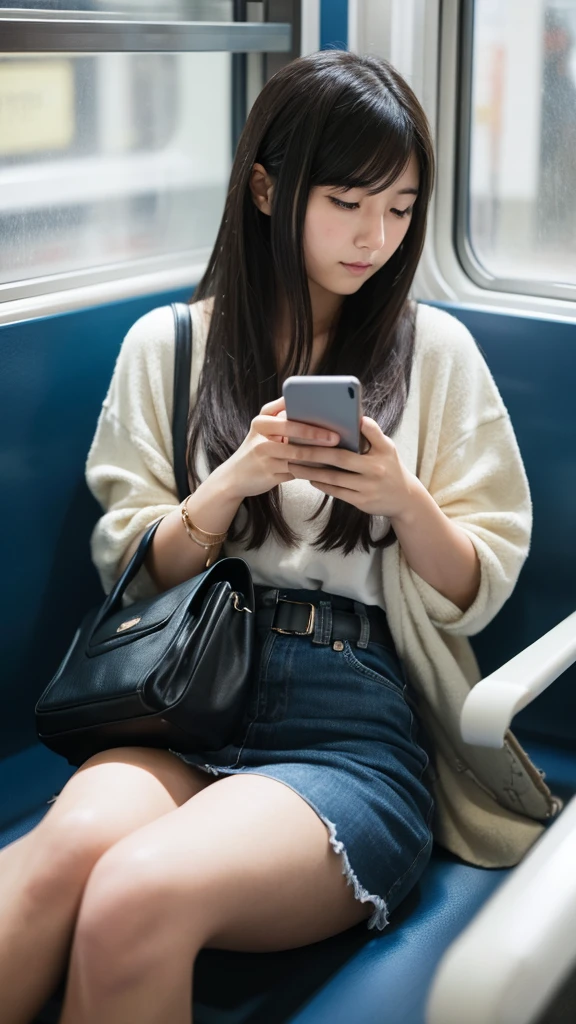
<point x="212" y="549"/>
<point x="204" y="538"/>
<point x="198" y="540"/>
<point x="216" y="539"/>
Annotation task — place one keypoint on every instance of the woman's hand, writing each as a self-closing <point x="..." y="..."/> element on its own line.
<point x="262" y="460"/>
<point x="377" y="482"/>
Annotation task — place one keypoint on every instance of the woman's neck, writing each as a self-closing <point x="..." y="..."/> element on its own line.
<point x="318" y="348"/>
<point x="325" y="307"/>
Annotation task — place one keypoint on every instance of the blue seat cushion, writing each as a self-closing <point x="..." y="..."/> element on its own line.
<point x="27" y="781"/>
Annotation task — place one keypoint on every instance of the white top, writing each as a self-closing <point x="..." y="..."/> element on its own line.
<point x="455" y="435"/>
<point x="358" y="575"/>
<point x="150" y="381"/>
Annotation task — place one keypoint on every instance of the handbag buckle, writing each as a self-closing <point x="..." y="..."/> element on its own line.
<point x="235" y="596"/>
<point x="296" y="632"/>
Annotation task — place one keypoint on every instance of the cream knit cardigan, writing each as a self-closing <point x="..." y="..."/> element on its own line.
<point x="455" y="435"/>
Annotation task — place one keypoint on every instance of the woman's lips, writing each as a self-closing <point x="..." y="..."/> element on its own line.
<point x="357" y="268"/>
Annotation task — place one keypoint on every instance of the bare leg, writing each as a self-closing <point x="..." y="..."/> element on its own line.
<point x="42" y="875"/>
<point x="245" y="865"/>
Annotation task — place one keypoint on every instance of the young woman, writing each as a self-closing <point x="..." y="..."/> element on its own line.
<point x="321" y="814"/>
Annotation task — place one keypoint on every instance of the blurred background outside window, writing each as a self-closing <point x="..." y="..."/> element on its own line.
<point x="522" y="201"/>
<point x="116" y="157"/>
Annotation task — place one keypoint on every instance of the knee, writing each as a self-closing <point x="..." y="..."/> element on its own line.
<point x="64" y="850"/>
<point x="130" y="920"/>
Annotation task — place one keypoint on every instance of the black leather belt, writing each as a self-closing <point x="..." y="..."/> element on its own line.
<point x="297" y="618"/>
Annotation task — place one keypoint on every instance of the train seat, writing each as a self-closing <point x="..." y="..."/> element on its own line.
<point x="54" y="382"/>
<point x="355" y="978"/>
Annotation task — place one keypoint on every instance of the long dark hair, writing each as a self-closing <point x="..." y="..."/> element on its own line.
<point x="331" y="118"/>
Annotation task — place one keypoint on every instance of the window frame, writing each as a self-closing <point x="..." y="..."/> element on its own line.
<point x="78" y="32"/>
<point x="463" y="241"/>
<point x="442" y="275"/>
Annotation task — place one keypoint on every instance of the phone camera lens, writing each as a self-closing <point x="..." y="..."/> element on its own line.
<point x="351" y="392"/>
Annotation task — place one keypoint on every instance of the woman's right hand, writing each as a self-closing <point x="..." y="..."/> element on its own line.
<point x="261" y="461"/>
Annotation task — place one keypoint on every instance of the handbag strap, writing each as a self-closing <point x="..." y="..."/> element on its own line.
<point x="181" y="403"/>
<point x="114" y="600"/>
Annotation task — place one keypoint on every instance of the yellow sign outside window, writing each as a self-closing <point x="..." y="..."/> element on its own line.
<point x="36" y="106"/>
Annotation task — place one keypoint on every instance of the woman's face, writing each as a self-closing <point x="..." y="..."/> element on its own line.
<point x="356" y="228"/>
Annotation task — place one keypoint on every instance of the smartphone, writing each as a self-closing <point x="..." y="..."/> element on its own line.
<point x="334" y="403"/>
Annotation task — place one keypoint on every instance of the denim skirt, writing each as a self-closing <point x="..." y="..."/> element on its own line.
<point x="338" y="724"/>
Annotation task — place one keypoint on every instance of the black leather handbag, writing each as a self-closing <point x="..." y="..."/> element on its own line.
<point x="169" y="671"/>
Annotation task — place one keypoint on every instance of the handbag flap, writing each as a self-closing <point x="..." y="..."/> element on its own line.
<point x="147" y="615"/>
<point x="142" y="617"/>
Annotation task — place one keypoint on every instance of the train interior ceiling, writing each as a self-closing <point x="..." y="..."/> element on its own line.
<point x="117" y="131"/>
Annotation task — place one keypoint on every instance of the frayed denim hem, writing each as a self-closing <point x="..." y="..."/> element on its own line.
<point x="379" y="918"/>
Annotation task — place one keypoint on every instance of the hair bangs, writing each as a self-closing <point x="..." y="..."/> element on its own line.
<point x="367" y="143"/>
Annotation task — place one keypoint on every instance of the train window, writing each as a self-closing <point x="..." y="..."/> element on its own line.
<point x="110" y="158"/>
<point x="114" y="164"/>
<point x="517" y="212"/>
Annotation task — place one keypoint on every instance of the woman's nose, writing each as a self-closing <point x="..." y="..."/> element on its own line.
<point x="372" y="235"/>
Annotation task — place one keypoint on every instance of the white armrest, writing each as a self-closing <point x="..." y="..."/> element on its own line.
<point x="506" y="966"/>
<point x="493" y="702"/>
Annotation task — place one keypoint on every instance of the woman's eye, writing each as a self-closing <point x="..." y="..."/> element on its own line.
<point x="342" y="205"/>
<point x="354" y="206"/>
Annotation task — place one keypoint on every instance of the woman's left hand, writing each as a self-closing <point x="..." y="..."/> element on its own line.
<point x="376" y="482"/>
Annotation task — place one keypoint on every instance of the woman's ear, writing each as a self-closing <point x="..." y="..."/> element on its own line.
<point x="261" y="187"/>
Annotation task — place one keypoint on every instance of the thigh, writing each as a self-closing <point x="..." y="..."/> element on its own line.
<point x="247" y="865"/>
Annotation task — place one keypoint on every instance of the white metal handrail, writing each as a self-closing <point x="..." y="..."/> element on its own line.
<point x="492" y="703"/>
<point x="514" y="956"/>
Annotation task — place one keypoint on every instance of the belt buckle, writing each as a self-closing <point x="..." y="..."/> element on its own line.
<point x="295" y="632"/>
